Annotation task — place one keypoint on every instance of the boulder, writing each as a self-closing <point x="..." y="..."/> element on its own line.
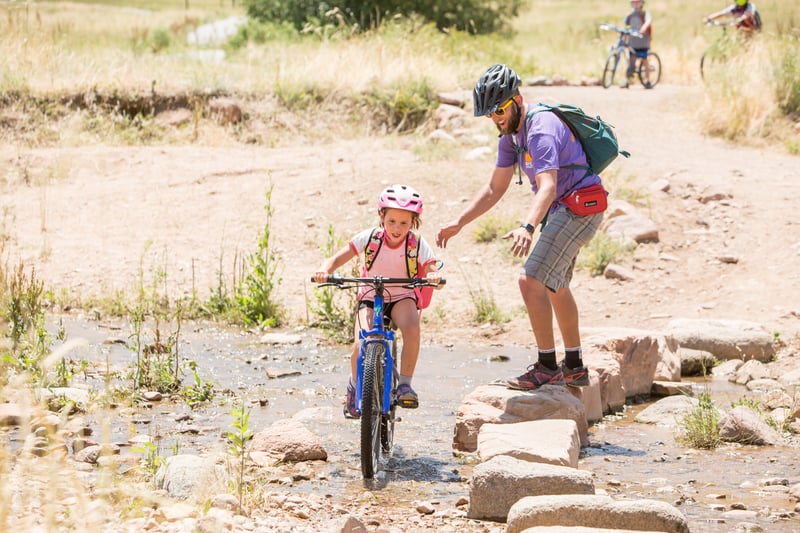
<point x="500" y="482"/>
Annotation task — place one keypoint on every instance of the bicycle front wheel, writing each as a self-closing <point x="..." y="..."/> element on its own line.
<point x="610" y="69"/>
<point x="387" y="420"/>
<point x="652" y="73"/>
<point x="371" y="399"/>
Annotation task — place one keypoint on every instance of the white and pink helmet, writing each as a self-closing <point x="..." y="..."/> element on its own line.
<point x="401" y="197"/>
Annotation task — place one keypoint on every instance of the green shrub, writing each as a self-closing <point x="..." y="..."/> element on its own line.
<point x="490" y="228"/>
<point x="699" y="428"/>
<point x="787" y="76"/>
<point x="402" y="107"/>
<point x="486" y="308"/>
<point x="473" y="16"/>
<point x="601" y="250"/>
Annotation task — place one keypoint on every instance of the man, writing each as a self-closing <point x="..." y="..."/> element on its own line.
<point x="541" y="146"/>
<point x="639" y="21"/>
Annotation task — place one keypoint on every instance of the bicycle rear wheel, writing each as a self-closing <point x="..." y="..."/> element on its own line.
<point x="371" y="399"/>
<point x="710" y="62"/>
<point x="653" y="71"/>
<point x="610" y="69"/>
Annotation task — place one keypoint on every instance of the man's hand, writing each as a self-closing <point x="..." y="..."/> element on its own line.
<point x="446" y="232"/>
<point x="521" y="240"/>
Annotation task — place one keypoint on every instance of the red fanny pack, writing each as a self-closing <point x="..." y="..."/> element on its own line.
<point x="587" y="201"/>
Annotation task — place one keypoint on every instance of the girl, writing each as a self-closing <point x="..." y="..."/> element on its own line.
<point x="390" y="250"/>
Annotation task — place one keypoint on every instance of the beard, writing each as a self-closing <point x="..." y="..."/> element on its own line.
<point x="510" y="124"/>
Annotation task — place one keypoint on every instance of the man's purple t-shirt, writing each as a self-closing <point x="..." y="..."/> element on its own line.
<point x="550" y="145"/>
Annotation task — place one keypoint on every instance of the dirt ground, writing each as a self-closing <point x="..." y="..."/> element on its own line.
<point x="90" y="219"/>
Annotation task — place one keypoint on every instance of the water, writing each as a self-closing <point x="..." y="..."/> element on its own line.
<point x="629" y="460"/>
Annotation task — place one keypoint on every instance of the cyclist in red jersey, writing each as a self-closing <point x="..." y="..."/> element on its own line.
<point x="744" y="13"/>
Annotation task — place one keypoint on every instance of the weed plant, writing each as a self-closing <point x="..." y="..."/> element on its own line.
<point x="490" y="227"/>
<point x="238" y="437"/>
<point x="601" y="251"/>
<point x="335" y="307"/>
<point x="486" y="309"/>
<point x="255" y="296"/>
<point x="700" y="427"/>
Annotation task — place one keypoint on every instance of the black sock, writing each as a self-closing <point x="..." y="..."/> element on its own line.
<point x="574" y="358"/>
<point x="547" y="358"/>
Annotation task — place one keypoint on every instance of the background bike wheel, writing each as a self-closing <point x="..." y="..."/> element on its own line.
<point x="654" y="66"/>
<point x="710" y="62"/>
<point x="609" y="70"/>
<point x="371" y="397"/>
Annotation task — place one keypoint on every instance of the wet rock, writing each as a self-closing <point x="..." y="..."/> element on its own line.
<point x="501" y="481"/>
<point x="695" y="362"/>
<point x="746" y="426"/>
<point x="595" y="511"/>
<point x="182" y="475"/>
<point x="667" y="411"/>
<point x="424" y="508"/>
<point x="554" y="442"/>
<point x="499" y="405"/>
<point x="90" y="454"/>
<point x="670" y="388"/>
<point x="276" y="373"/>
<point x="152" y="396"/>
<point x="280" y="338"/>
<point x="726" y="339"/>
<point x="749" y="371"/>
<point x="291" y="441"/>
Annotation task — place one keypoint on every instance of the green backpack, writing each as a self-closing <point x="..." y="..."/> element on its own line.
<point x="595" y="135"/>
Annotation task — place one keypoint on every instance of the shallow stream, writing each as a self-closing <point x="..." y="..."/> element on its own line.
<point x="628" y="459"/>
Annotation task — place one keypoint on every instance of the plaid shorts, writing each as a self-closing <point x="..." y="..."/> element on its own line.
<point x="552" y="259"/>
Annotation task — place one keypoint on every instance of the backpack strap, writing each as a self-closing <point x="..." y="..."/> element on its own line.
<point x="544" y="107"/>
<point x="373" y="246"/>
<point x="412" y="250"/>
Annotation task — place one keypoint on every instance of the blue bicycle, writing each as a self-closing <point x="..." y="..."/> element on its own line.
<point x="376" y="375"/>
<point x="647" y="69"/>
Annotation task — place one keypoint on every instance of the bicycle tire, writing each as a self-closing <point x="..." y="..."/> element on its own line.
<point x="371" y="400"/>
<point x="654" y="66"/>
<point x="610" y="69"/>
<point x="387" y="420"/>
<point x="709" y="62"/>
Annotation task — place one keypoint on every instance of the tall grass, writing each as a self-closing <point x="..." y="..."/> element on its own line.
<point x="141" y="47"/>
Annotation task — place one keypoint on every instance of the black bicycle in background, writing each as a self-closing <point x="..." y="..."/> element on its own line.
<point x="621" y="52"/>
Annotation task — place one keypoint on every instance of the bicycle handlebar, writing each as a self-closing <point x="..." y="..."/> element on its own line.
<point x="349" y="282"/>
<point x="724" y="24"/>
<point x="611" y="27"/>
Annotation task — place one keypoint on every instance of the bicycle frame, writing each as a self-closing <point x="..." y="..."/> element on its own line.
<point x="635" y="63"/>
<point x="377" y="334"/>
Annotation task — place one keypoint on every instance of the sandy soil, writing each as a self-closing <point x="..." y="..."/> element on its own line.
<point x="89" y="218"/>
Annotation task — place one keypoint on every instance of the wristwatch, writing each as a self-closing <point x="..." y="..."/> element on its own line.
<point x="530" y="228"/>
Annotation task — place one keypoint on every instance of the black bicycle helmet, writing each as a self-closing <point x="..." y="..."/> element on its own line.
<point x="495" y="87"/>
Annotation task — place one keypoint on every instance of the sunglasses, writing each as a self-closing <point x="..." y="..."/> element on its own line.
<point x="501" y="110"/>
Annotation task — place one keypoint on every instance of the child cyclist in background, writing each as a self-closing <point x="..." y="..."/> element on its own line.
<point x="639" y="20"/>
<point x="390" y="250"/>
